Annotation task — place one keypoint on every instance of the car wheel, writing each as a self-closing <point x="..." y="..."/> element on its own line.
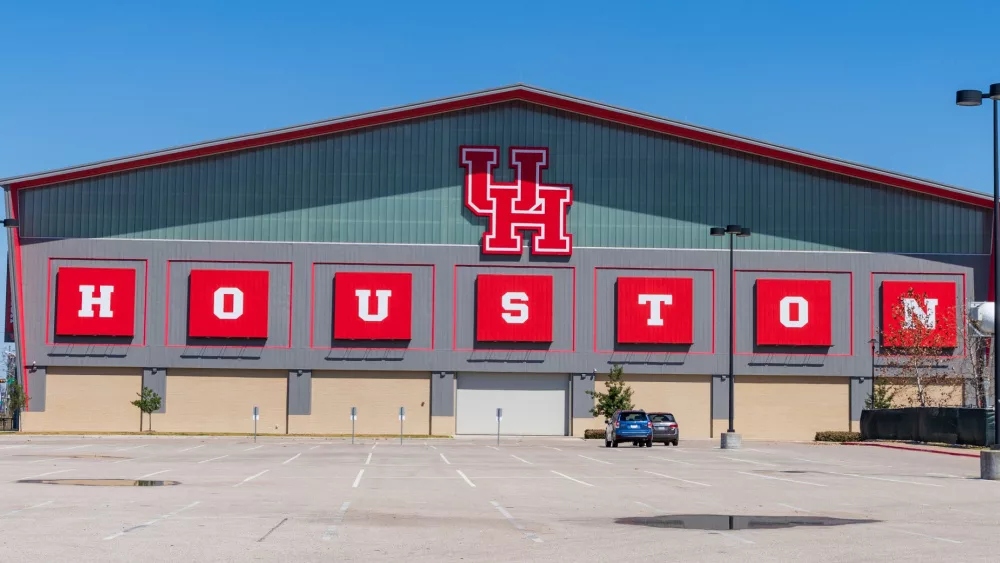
<point x="607" y="443"/>
<point x="649" y="443"/>
<point x="614" y="444"/>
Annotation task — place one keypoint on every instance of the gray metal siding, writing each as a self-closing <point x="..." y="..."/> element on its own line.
<point x="401" y="183"/>
<point x="443" y="357"/>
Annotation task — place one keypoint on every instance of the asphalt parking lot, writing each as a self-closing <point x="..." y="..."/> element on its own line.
<point x="530" y="499"/>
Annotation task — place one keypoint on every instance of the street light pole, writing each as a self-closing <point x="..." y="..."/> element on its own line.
<point x="990" y="461"/>
<point x="730" y="439"/>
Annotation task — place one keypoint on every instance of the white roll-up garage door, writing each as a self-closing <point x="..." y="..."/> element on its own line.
<point x="533" y="404"/>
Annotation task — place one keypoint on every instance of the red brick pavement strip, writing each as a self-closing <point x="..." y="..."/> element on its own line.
<point x="910" y="448"/>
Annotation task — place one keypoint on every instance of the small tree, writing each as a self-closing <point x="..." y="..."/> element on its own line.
<point x="882" y="394"/>
<point x="148" y="402"/>
<point x="917" y="345"/>
<point x="618" y="395"/>
<point x="16" y="399"/>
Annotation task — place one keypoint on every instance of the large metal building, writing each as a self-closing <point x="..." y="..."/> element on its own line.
<point x="501" y="249"/>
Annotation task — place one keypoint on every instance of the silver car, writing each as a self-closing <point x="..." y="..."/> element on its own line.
<point x="665" y="428"/>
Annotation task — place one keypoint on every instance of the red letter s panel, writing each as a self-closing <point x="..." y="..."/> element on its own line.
<point x="655" y="310"/>
<point x="95" y="302"/>
<point x="513" y="308"/>
<point x="372" y="306"/>
<point x="928" y="314"/>
<point x="228" y="304"/>
<point x="794" y="312"/>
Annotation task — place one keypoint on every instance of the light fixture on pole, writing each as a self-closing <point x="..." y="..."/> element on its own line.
<point x="731" y="440"/>
<point x="990" y="461"/>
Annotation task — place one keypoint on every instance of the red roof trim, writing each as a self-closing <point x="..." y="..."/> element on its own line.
<point x="523" y="93"/>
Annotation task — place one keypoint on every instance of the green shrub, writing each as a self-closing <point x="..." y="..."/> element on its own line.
<point x="593" y="434"/>
<point x="838" y="436"/>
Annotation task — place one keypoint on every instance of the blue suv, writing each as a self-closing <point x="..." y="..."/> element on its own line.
<point x="629" y="426"/>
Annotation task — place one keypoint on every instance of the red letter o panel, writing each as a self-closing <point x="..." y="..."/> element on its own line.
<point x="793" y="312"/>
<point x="228" y="304"/>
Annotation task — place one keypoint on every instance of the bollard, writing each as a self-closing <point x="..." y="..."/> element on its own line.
<point x="402" y="417"/>
<point x="354" y="417"/>
<point x="499" y="418"/>
<point x="989" y="465"/>
<point x="256" y="415"/>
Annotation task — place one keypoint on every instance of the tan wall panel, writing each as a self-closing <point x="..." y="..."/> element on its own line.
<point x="791" y="408"/>
<point x="855" y="426"/>
<point x="206" y="400"/>
<point x="88" y="399"/>
<point x="948" y="394"/>
<point x="442" y="425"/>
<point x="688" y="397"/>
<point x="378" y="396"/>
<point x="719" y="426"/>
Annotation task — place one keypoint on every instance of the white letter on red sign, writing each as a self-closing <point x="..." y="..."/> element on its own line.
<point x="654" y="302"/>
<point x="927" y="317"/>
<point x="219" y="303"/>
<point x="382" y="298"/>
<point x="785" y="312"/>
<point x="516" y="301"/>
<point x="87" y="301"/>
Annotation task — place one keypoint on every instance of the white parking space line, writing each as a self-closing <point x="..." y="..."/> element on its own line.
<point x="678" y="479"/>
<point x="521" y="460"/>
<point x="132" y="448"/>
<point x="670" y="460"/>
<point x="19" y="510"/>
<point x="357" y="480"/>
<point x="74" y="448"/>
<point x="373" y="446"/>
<point x="748" y="461"/>
<point x="809" y="460"/>
<point x="291" y="459"/>
<point x="313" y="448"/>
<point x="253" y="448"/>
<point x="213" y="459"/>
<point x="11" y="447"/>
<point x="872" y="477"/>
<point x="597" y="460"/>
<point x="433" y="447"/>
<point x="369" y="459"/>
<point x="780" y="479"/>
<point x="445" y="459"/>
<point x="251" y="478"/>
<point x="551" y="448"/>
<point x="126" y="460"/>
<point x="943" y="475"/>
<point x="44" y="460"/>
<point x="527" y="533"/>
<point x="572" y="479"/>
<point x="946" y="540"/>
<point x="471" y="484"/>
<point x="153" y="521"/>
<point x="49" y="473"/>
<point x="192" y="448"/>
<point x="758" y="451"/>
<point x="331" y="530"/>
<point x="154" y="473"/>
<point x="796" y="508"/>
<point x="493" y="448"/>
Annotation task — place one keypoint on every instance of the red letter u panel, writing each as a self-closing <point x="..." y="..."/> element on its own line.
<point x="513" y="308"/>
<point x="655" y="310"/>
<point x="919" y="313"/>
<point x="95" y="302"/>
<point x="228" y="304"/>
<point x="372" y="306"/>
<point x="794" y="313"/>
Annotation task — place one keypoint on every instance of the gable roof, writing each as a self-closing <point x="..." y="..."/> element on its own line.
<point x="517" y="92"/>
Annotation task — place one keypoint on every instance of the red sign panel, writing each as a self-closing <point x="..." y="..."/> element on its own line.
<point x="919" y="313"/>
<point x="228" y="304"/>
<point x="655" y="310"/>
<point x="372" y="306"/>
<point x="513" y="308"/>
<point x="794" y="312"/>
<point x="95" y="302"/>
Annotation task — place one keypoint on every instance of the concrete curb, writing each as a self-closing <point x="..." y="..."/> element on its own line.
<point x="896" y="447"/>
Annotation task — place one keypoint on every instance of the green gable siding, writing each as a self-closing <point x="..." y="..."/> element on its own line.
<point x="401" y="183"/>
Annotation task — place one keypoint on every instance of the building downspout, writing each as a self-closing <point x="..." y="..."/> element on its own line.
<point x="13" y="278"/>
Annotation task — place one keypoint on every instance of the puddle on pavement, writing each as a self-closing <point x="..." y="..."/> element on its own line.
<point x="724" y="522"/>
<point x="102" y="482"/>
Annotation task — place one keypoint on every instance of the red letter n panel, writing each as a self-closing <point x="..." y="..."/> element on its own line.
<point x="513" y="308"/>
<point x="228" y="304"/>
<point x="95" y="302"/>
<point x="919" y="313"/>
<point x="655" y="310"/>
<point x="793" y="312"/>
<point x="372" y="306"/>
